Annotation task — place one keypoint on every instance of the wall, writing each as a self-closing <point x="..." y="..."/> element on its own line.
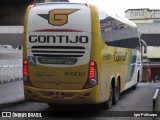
<point x="10" y="63"/>
<point x="153" y="52"/>
<point x="12" y="12"/>
<point x="143" y="15"/>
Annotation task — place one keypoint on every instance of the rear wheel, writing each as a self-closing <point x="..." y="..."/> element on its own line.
<point x="116" y="94"/>
<point x="51" y="105"/>
<point x="135" y="86"/>
<point x="108" y="104"/>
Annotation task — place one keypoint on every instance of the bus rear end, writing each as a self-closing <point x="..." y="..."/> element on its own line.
<point x="57" y="65"/>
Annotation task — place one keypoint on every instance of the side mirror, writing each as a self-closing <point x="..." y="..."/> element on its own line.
<point x="145" y="45"/>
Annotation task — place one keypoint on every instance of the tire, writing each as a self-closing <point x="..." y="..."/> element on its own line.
<point x="116" y="94"/>
<point x="135" y="86"/>
<point x="108" y="103"/>
<point x="110" y="100"/>
<point x="51" y="105"/>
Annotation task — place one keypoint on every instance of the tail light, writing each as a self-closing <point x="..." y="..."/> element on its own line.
<point x="25" y="68"/>
<point x="26" y="73"/>
<point x="92" y="76"/>
<point x="88" y="5"/>
<point x="31" y="6"/>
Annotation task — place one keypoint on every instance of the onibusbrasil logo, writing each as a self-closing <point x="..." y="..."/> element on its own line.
<point x="58" y="17"/>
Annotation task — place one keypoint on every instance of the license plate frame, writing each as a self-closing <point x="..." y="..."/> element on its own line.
<point x="57" y="95"/>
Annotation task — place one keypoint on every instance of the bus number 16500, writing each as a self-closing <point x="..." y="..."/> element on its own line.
<point x="74" y="73"/>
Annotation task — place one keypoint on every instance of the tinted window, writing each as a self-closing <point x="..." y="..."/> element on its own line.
<point x="116" y="33"/>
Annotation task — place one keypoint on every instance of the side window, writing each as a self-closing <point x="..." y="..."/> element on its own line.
<point x="105" y="23"/>
<point x="117" y="25"/>
<point x="119" y="34"/>
<point x="106" y="29"/>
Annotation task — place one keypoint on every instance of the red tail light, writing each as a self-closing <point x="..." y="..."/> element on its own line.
<point x="88" y="5"/>
<point x="92" y="76"/>
<point x="31" y="6"/>
<point x="26" y="73"/>
<point x="25" y="68"/>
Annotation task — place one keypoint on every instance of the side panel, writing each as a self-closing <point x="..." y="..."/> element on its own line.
<point x="120" y="54"/>
<point x="114" y="62"/>
<point x="135" y="66"/>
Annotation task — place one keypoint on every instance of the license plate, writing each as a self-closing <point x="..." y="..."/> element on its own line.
<point x="57" y="95"/>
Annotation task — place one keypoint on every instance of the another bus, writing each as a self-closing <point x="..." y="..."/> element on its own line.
<point x="75" y="53"/>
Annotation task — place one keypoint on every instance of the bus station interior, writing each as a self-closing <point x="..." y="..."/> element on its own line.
<point x="148" y="21"/>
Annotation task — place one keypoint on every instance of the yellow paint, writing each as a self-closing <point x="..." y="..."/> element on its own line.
<point x="47" y="80"/>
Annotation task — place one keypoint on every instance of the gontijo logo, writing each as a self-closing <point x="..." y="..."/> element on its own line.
<point x="58" y="17"/>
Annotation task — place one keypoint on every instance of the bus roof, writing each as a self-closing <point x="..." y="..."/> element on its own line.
<point x="123" y="20"/>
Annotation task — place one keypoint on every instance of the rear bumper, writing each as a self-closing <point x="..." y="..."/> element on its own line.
<point x="86" y="96"/>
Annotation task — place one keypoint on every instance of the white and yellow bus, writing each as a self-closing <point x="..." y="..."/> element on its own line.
<point x="75" y="53"/>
